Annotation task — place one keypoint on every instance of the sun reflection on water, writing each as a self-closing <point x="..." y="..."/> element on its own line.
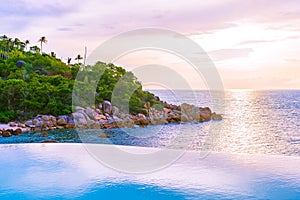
<point x="249" y="124"/>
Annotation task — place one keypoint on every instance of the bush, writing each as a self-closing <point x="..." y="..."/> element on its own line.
<point x="7" y="116"/>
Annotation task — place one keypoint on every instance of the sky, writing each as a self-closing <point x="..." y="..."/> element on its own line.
<point x="253" y="44"/>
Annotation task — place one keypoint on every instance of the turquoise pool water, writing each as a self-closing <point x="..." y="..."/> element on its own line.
<point x="68" y="171"/>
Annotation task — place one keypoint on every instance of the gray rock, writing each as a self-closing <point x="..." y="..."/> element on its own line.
<point x="115" y="111"/>
<point x="29" y="123"/>
<point x="107" y="108"/>
<point x="20" y="63"/>
<point x="91" y="113"/>
<point x="79" y="118"/>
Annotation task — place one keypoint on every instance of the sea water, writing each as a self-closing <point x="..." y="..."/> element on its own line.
<point x="266" y="122"/>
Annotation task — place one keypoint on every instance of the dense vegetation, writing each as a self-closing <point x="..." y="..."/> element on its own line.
<point x="32" y="82"/>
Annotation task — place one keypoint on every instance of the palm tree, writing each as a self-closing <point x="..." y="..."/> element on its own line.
<point x="27" y="42"/>
<point x="3" y="37"/>
<point x="42" y="40"/>
<point x="53" y="54"/>
<point x="17" y="43"/>
<point x="9" y="41"/>
<point x="69" y="60"/>
<point x="78" y="57"/>
<point x="35" y="49"/>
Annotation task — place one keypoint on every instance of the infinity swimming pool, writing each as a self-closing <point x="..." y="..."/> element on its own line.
<point x="68" y="171"/>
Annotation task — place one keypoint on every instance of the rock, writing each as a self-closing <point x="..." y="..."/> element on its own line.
<point x="110" y="120"/>
<point x="78" y="108"/>
<point x="45" y="134"/>
<point x="107" y="108"/>
<point x="173" y="117"/>
<point x="39" y="124"/>
<point x="6" y="134"/>
<point x="177" y="112"/>
<point x="52" y="119"/>
<point x="80" y="117"/>
<point x="49" y="141"/>
<point x="20" y="63"/>
<point x="158" y="116"/>
<point x="102" y="122"/>
<point x="70" y="120"/>
<point x="70" y="126"/>
<point x="115" y="111"/>
<point x="141" y="120"/>
<point x="205" y="114"/>
<point x="184" y="117"/>
<point x="35" y="121"/>
<point x="167" y="110"/>
<point x="61" y="122"/>
<point x="29" y="123"/>
<point x="18" y="131"/>
<point x="141" y="116"/>
<point x="99" y="117"/>
<point x="98" y="111"/>
<point x="215" y="116"/>
<point x="45" y="118"/>
<point x="195" y="114"/>
<point x="21" y="125"/>
<point x="122" y="115"/>
<point x="59" y="127"/>
<point x="12" y="124"/>
<point x="104" y="135"/>
<point x="189" y="112"/>
<point x="109" y="125"/>
<point x="91" y="113"/>
<point x="65" y="117"/>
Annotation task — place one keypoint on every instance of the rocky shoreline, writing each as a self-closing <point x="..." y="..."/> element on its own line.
<point x="107" y="116"/>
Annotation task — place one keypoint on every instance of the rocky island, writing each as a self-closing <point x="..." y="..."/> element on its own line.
<point x="36" y="95"/>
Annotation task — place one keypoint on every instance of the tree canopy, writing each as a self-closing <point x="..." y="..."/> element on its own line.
<point x="34" y="83"/>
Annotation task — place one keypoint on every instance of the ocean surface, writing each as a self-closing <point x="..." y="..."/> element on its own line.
<point x="254" y="122"/>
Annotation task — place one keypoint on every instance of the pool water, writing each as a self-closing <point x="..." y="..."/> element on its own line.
<point x="68" y="171"/>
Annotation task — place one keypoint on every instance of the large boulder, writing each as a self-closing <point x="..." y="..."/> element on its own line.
<point x="61" y="122"/>
<point x="29" y="123"/>
<point x="215" y="116"/>
<point x="91" y="113"/>
<point x="174" y="117"/>
<point x="12" y="124"/>
<point x="107" y="108"/>
<point x="205" y="114"/>
<point x="79" y="118"/>
<point x="20" y="63"/>
<point x="115" y="111"/>
<point x="6" y="134"/>
<point x="188" y="112"/>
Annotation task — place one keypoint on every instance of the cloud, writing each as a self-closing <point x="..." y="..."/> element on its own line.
<point x="257" y="41"/>
<point x="292" y="60"/>
<point x="113" y="17"/>
<point x="30" y="8"/>
<point x="65" y="29"/>
<point x="268" y="41"/>
<point x="225" y="54"/>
